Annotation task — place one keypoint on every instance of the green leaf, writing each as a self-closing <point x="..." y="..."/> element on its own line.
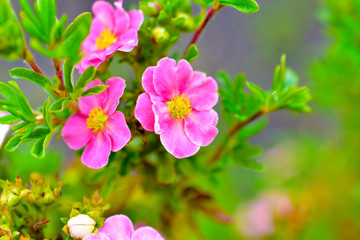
<point x="257" y="91"/>
<point x="205" y="3"/>
<point x="10" y="119"/>
<point x="39" y="133"/>
<point x="32" y="76"/>
<point x="13" y="143"/>
<point x="94" y="90"/>
<point x="68" y="75"/>
<point x="250" y="164"/>
<point x="40" y="146"/>
<point x="85" y="78"/>
<point x="192" y="53"/>
<point x="28" y="131"/>
<point x="83" y="20"/>
<point x="59" y="105"/>
<point x="47" y="14"/>
<point x="7" y="92"/>
<point x="46" y="113"/>
<point x="245" y="6"/>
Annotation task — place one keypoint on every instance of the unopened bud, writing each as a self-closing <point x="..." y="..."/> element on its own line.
<point x="160" y="34"/>
<point x="10" y="199"/>
<point x="80" y="226"/>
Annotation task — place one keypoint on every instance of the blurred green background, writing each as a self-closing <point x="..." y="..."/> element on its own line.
<point x="310" y="186"/>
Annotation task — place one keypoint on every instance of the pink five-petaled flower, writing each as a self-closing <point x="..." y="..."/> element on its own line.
<point x="98" y="126"/>
<point x="178" y="106"/>
<point x="120" y="227"/>
<point x="111" y="30"/>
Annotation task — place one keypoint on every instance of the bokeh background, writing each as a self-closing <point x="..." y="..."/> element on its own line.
<point x="309" y="188"/>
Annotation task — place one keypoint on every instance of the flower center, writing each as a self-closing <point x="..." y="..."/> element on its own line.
<point x="96" y="120"/>
<point x="105" y="39"/>
<point x="179" y="107"/>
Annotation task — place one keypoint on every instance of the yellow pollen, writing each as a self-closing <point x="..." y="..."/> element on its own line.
<point x="105" y="39"/>
<point x="179" y="107"/>
<point x="96" y="120"/>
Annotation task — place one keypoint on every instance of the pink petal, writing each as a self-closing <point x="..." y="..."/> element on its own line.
<point x="87" y="61"/>
<point x="86" y="104"/>
<point x="200" y="127"/>
<point x="75" y="132"/>
<point x="114" y="92"/>
<point x="162" y="116"/>
<point x="183" y="75"/>
<point x="117" y="227"/>
<point x="97" y="151"/>
<point x="176" y="142"/>
<point x="127" y="41"/>
<point x="148" y="80"/>
<point x="146" y="233"/>
<point x="144" y="113"/>
<point x="136" y="19"/>
<point x="89" y="44"/>
<point x="122" y="21"/>
<point x="165" y="78"/>
<point x="118" y="131"/>
<point x="104" y="11"/>
<point x="203" y="92"/>
<point x="96" y="236"/>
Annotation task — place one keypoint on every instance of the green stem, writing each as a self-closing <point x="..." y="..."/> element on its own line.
<point x="231" y="133"/>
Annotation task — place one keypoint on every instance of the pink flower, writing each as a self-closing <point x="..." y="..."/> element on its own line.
<point x="98" y="126"/>
<point x="111" y="30"/>
<point x="178" y="106"/>
<point x="120" y="227"/>
<point x="259" y="219"/>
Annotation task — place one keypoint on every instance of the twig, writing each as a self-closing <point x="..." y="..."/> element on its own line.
<point x="231" y="133"/>
<point x="215" y="8"/>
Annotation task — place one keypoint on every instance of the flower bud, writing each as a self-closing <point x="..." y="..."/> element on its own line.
<point x="80" y="226"/>
<point x="160" y="35"/>
<point x="9" y="198"/>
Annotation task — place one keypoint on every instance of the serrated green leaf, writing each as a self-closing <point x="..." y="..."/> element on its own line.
<point x="94" y="90"/>
<point x="192" y="53"/>
<point x="245" y="6"/>
<point x="59" y="105"/>
<point x="32" y="76"/>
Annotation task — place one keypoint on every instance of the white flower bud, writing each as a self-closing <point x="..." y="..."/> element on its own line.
<point x="80" y="226"/>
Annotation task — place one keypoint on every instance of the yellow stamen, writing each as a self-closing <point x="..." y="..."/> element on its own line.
<point x="105" y="39"/>
<point x="96" y="120"/>
<point x="179" y="107"/>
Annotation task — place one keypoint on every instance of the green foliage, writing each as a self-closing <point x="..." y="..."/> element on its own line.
<point x="192" y="53"/>
<point x="44" y="28"/>
<point x="32" y="76"/>
<point x="12" y="42"/>
<point x="246" y="6"/>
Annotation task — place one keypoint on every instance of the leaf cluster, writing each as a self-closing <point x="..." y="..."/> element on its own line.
<point x="12" y="42"/>
<point x="49" y="35"/>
